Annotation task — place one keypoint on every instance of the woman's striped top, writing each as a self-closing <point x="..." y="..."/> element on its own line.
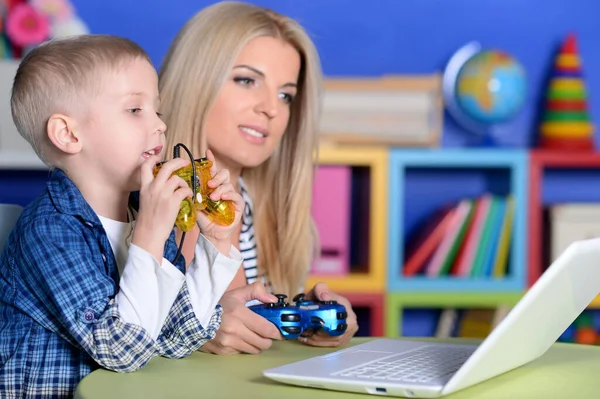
<point x="248" y="240"/>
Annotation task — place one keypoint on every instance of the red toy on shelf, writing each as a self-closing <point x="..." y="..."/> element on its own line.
<point x="565" y="123"/>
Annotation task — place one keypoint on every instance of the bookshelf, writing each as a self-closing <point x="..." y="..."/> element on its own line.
<point x="368" y="278"/>
<point x="453" y="167"/>
<point x="401" y="182"/>
<point x="595" y="304"/>
<point x="364" y="284"/>
<point x="397" y="302"/>
<point x="542" y="164"/>
<point x="375" y="305"/>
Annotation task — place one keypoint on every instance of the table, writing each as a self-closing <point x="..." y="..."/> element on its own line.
<point x="566" y="370"/>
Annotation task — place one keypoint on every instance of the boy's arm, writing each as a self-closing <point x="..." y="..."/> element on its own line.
<point x="209" y="275"/>
<point x="56" y="263"/>
<point x="147" y="290"/>
<point x="182" y="333"/>
<point x="207" y="279"/>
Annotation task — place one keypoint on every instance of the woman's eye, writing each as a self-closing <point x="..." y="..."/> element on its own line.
<point x="244" y="80"/>
<point x="134" y="110"/>
<point x="287" y="98"/>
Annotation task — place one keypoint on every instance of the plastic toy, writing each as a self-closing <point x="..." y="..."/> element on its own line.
<point x="565" y="122"/>
<point x="586" y="336"/>
<point x="304" y="316"/>
<point x="197" y="175"/>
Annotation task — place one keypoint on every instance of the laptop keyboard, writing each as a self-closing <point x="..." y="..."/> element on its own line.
<point x="422" y="365"/>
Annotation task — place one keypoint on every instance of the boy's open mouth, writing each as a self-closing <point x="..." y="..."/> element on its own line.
<point x="152" y="152"/>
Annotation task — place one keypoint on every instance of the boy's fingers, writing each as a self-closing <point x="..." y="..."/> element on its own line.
<point x="219" y="191"/>
<point x="183" y="193"/>
<point x="169" y="167"/>
<point x="146" y="172"/>
<point x="221" y="177"/>
<point x="174" y="183"/>
<point x="211" y="157"/>
<point x="238" y="201"/>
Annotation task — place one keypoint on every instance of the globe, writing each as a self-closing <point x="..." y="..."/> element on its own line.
<point x="483" y="88"/>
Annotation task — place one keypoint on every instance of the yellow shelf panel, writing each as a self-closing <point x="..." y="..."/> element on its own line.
<point x="353" y="155"/>
<point x="376" y="158"/>
<point x="353" y="283"/>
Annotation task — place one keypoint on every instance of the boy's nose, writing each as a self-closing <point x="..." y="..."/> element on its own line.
<point x="161" y="127"/>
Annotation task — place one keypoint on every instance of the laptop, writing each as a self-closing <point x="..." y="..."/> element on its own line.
<point x="421" y="369"/>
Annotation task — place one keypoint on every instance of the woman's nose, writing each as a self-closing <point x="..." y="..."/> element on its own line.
<point x="268" y="104"/>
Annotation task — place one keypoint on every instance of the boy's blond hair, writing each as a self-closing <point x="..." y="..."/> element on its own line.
<point x="61" y="76"/>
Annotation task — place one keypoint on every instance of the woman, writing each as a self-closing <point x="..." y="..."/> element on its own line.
<point x="245" y="82"/>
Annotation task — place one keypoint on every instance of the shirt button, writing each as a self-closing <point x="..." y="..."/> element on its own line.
<point x="104" y="258"/>
<point x="88" y="316"/>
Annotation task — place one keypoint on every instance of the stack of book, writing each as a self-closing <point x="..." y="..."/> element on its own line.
<point x="470" y="239"/>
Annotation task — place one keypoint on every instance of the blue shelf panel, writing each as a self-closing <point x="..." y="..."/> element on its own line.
<point x="424" y="322"/>
<point x="457" y="157"/>
<point x="454" y="174"/>
<point x="419" y="322"/>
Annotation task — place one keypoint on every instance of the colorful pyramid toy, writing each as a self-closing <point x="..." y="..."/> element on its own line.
<point x="565" y="123"/>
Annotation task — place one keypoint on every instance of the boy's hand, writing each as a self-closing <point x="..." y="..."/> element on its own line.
<point x="160" y="199"/>
<point x="220" y="236"/>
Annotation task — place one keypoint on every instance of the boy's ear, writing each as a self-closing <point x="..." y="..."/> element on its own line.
<point x="62" y="133"/>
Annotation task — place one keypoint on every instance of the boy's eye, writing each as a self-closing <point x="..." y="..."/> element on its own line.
<point x="245" y="81"/>
<point x="134" y="110"/>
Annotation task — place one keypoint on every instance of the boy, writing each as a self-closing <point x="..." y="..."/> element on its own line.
<point x="82" y="285"/>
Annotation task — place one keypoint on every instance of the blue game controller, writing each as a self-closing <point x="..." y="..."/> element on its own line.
<point x="304" y="316"/>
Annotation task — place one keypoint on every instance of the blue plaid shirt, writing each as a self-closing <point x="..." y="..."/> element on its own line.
<point x="58" y="316"/>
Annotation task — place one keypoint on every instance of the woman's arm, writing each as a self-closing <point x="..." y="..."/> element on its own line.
<point x="242" y="330"/>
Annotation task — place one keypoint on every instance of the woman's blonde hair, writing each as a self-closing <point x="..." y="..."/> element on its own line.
<point x="192" y="75"/>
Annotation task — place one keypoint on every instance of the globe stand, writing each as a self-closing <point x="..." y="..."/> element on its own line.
<point x="449" y="82"/>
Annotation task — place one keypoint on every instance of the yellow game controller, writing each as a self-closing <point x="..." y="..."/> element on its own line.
<point x="197" y="175"/>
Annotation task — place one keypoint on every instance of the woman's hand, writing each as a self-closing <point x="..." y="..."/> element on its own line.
<point x="242" y="330"/>
<point x="320" y="338"/>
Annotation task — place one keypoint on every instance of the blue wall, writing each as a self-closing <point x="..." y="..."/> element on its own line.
<point x="363" y="38"/>
<point x="377" y="37"/>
